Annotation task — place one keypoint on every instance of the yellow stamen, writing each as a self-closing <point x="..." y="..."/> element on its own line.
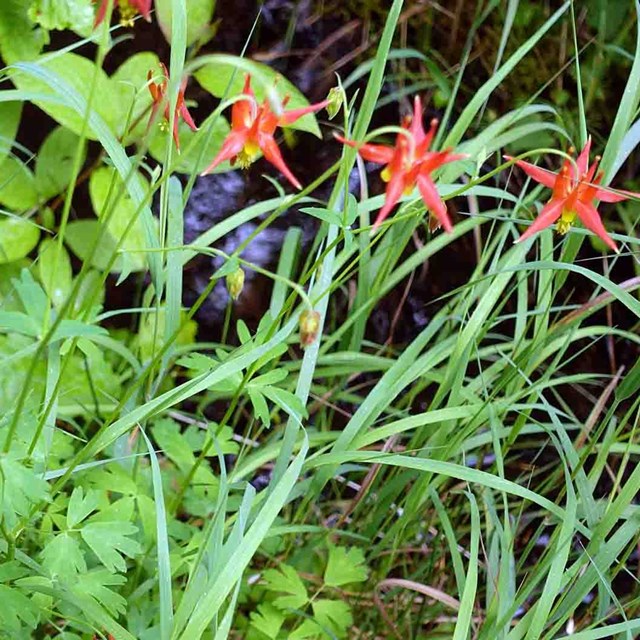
<point x="127" y="13"/>
<point x="565" y="222"/>
<point x="385" y="174"/>
<point x="247" y="156"/>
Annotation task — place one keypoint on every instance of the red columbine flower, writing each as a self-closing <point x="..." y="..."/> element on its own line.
<point x="573" y="195"/>
<point x="252" y="130"/>
<point x="158" y="92"/>
<point x="410" y="163"/>
<point x="129" y="9"/>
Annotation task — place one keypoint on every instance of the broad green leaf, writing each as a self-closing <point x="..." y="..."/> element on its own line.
<point x="16" y="609"/>
<point x="220" y="70"/>
<point x="77" y="15"/>
<point x="152" y="325"/>
<point x="54" y="268"/>
<point x="78" y="72"/>
<point x="267" y="620"/>
<point x="54" y="164"/>
<point x="20" y="488"/>
<point x="81" y="235"/>
<point x="81" y="505"/>
<point x="63" y="558"/>
<point x="285" y="579"/>
<point x="199" y="16"/>
<point x="131" y="99"/>
<point x="345" y="566"/>
<point x="18" y="189"/>
<point x="19" y="39"/>
<point x="187" y="161"/>
<point x="167" y="434"/>
<point x="10" y="113"/>
<point x="113" y="204"/>
<point x="97" y="584"/>
<point x="333" y="615"/>
<point x="18" y="237"/>
<point x="308" y="629"/>
<point x="110" y="541"/>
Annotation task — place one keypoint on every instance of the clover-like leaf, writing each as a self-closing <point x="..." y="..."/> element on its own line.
<point x="285" y="579"/>
<point x="110" y="541"/>
<point x="345" y="566"/>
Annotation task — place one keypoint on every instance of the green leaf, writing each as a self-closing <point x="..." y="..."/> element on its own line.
<point x="260" y="407"/>
<point x="287" y="401"/>
<point x="18" y="189"/>
<point x="54" y="165"/>
<point x="267" y="620"/>
<point x="151" y="332"/>
<point x="80" y="237"/>
<point x="199" y="16"/>
<point x="19" y="40"/>
<point x="308" y="629"/>
<point x="20" y="488"/>
<point x="16" y="608"/>
<point x="107" y="191"/>
<point x="78" y="72"/>
<point x="285" y="579"/>
<point x="630" y="385"/>
<point x="345" y="566"/>
<point x="63" y="558"/>
<point x="18" y="237"/>
<point x="10" y="113"/>
<point x="187" y="162"/>
<point x="80" y="506"/>
<point x="109" y="541"/>
<point x="96" y="584"/>
<point x="333" y="615"/>
<point x="54" y="268"/>
<point x="219" y="70"/>
<point x="167" y="434"/>
<point x="77" y="15"/>
<point x="131" y="98"/>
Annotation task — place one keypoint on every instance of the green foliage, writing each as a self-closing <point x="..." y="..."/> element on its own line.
<point x="447" y="450"/>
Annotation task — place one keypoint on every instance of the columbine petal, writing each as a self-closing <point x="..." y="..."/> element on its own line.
<point x="231" y="147"/>
<point x="395" y="188"/>
<point x="186" y="116"/>
<point x="101" y="13"/>
<point x="434" y="202"/>
<point x="417" y="130"/>
<point x="591" y="220"/>
<point x="378" y="153"/>
<point x="549" y="214"/>
<point x="289" y="117"/>
<point x="543" y="176"/>
<point x="143" y="7"/>
<point x="272" y="154"/>
<point x="607" y="195"/>
<point x="583" y="159"/>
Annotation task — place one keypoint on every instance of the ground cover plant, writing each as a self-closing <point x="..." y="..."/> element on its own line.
<point x="353" y="361"/>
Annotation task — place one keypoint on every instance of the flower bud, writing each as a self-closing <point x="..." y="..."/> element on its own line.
<point x="335" y="99"/>
<point x="309" y="327"/>
<point x="235" y="283"/>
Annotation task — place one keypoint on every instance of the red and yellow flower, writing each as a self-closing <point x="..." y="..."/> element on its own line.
<point x="160" y="98"/>
<point x="253" y="127"/>
<point x="574" y="191"/>
<point x="129" y="9"/>
<point x="409" y="163"/>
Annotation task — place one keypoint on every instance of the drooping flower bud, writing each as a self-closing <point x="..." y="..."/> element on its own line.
<point x="235" y="283"/>
<point x="309" y="327"/>
<point x="335" y="99"/>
